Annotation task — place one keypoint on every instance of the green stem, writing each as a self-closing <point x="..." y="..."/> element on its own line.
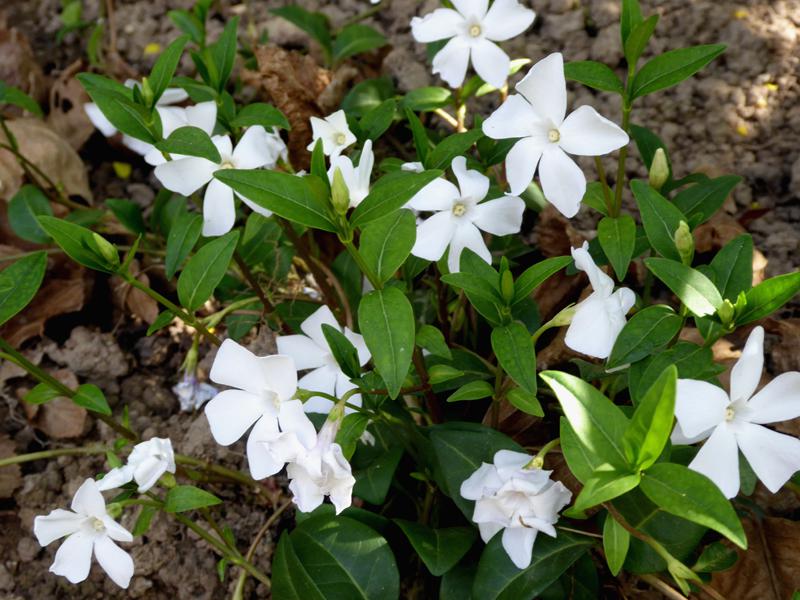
<point x="537" y="462"/>
<point x="213" y="320"/>
<point x="212" y="468"/>
<point x="619" y="184"/>
<point x="362" y="265"/>
<point x="601" y="174"/>
<point x="31" y="456"/>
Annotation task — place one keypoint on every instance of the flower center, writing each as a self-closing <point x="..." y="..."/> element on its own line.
<point x="729" y="414"/>
<point x="226" y="164"/>
<point x="475" y="30"/>
<point x="340" y="139"/>
<point x="553" y="135"/>
<point x="97" y="524"/>
<point x="271" y="397"/>
<point x="459" y="208"/>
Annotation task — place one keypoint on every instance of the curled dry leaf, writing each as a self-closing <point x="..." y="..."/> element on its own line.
<point x="18" y="66"/>
<point x="131" y="300"/>
<point x="66" y="115"/>
<point x="11" y="476"/>
<point x="60" y="418"/>
<point x="49" y="151"/>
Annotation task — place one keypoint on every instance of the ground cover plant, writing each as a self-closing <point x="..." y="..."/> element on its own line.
<point x="428" y="451"/>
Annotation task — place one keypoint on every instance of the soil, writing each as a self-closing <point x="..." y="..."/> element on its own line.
<point x="740" y="115"/>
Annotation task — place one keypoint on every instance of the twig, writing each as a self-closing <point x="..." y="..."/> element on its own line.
<point x="662" y="587"/>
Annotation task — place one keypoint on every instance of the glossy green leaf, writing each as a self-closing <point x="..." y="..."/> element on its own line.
<point x="733" y="267"/>
<point x="513" y="347"/>
<point x="525" y="401"/>
<point x="144" y="520"/>
<point x="40" y="394"/>
<point x="534" y="276"/>
<point x="188" y="497"/>
<point x="616" y="541"/>
<point x="188" y="24"/>
<point x="128" y="213"/>
<point x="636" y="42"/>
<point x="375" y="123"/>
<point x="343" y="351"/>
<point x="768" y="296"/>
<point x="386" y="320"/>
<point x="432" y="340"/>
<point x="190" y="141"/>
<point x="373" y="482"/>
<point x="646" y="332"/>
<point x="389" y="193"/>
<point x="450" y="147"/>
<point x="290" y="580"/>
<point x="427" y="98"/>
<point x="474" y="390"/>
<point x="313" y="23"/>
<point x="602" y="487"/>
<point x="439" y="549"/>
<point x="421" y="141"/>
<point x="81" y="245"/>
<point x="648" y="143"/>
<point x="12" y="95"/>
<point x="595" y="75"/>
<point x="659" y="217"/>
<point x="91" y="397"/>
<point x="670" y="68"/>
<point x="164" y="68"/>
<point x="715" y="557"/>
<point x="223" y="53"/>
<point x="630" y="17"/>
<point x="352" y="428"/>
<point x="700" y="201"/>
<point x="617" y="237"/>
<point x="122" y="112"/>
<point x="387" y="242"/>
<point x="183" y="235"/>
<point x="694" y="289"/>
<point x="205" y="270"/>
<point x="652" y="421"/>
<point x="24" y="207"/>
<point x="260" y="113"/>
<point x="355" y="39"/>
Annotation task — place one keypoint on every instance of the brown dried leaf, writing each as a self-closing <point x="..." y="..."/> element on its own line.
<point x="18" y="66"/>
<point x="66" y="115"/>
<point x="60" y="418"/>
<point x="49" y="151"/>
<point x="716" y="232"/>
<point x="130" y="299"/>
<point x="785" y="354"/>
<point x="10" y="476"/>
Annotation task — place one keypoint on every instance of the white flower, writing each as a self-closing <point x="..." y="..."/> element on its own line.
<point x="537" y="116"/>
<point x="192" y="394"/>
<point x="186" y="175"/>
<point x="599" y="318"/>
<point x="334" y="133"/>
<point x="90" y="530"/>
<point x="147" y="462"/>
<point x="311" y="351"/>
<point x="355" y="178"/>
<point x="473" y="28"/>
<point x="322" y="471"/>
<point x="734" y="422"/>
<point x="202" y="115"/>
<point x="459" y="218"/>
<point x="263" y="400"/>
<point x="522" y="502"/>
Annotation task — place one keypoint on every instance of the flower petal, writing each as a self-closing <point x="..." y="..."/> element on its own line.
<point x="88" y="500"/>
<point x="235" y="366"/>
<point x="563" y="182"/>
<point x="521" y="163"/>
<point x="185" y="175"/>
<point x="506" y="19"/>
<point x="74" y="557"/>
<point x="451" y="62"/>
<point x="261" y="462"/>
<point x="254" y="149"/>
<point x="306" y="493"/>
<point x="699" y="406"/>
<point x="599" y="280"/>
<point x="508" y="461"/>
<point x="746" y="373"/>
<point x="774" y="456"/>
<point x="319" y="380"/>
<point x="433" y="236"/>
<point x="115" y="478"/>
<point x="518" y="544"/>
<point x="202" y="115"/>
<point x="483" y="481"/>
<point x="779" y="400"/>
<point x="360" y="345"/>
<point x="472" y="8"/>
<point x="305" y="351"/>
<point x="280" y="375"/>
<point x="219" y="212"/>
<point x="586" y="133"/>
<point x="116" y="531"/>
<point x="440" y="24"/>
<point x="718" y="459"/>
<point x="231" y="413"/>
<point x="312" y="326"/>
<point x="501" y="216"/>
<point x="488" y="530"/>
<point x="594" y="329"/>
<point x="546" y="88"/>
<point x="466" y="236"/>
<point x="344" y="385"/>
<point x="472" y="184"/>
<point x="117" y="563"/>
<point x="264" y="212"/>
<point x="98" y="119"/>
<point x="171" y="96"/>
<point x="57" y="524"/>
<point x="548" y="503"/>
<point x="514" y="118"/>
<point x="292" y="418"/>
<point x="490" y="62"/>
<point x="439" y="194"/>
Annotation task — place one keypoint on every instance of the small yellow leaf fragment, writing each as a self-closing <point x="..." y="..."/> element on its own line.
<point x="122" y="169"/>
<point x="152" y="48"/>
<point x="772" y="87"/>
<point x="741" y="14"/>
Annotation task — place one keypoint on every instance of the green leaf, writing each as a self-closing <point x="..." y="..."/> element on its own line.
<point x="163" y="319"/>
<point x="120" y="110"/>
<point x="373" y="482"/>
<point x="12" y="95"/>
<point x="375" y="123"/>
<point x="343" y="351"/>
<point x="81" y="244"/>
<point x="389" y="193"/>
<point x="525" y="401"/>
<point x="513" y="347"/>
<point x="715" y="557"/>
<point x="190" y="141"/>
<point x="427" y="98"/>
<point x="432" y="340"/>
<point x="290" y="580"/>
<point x="660" y="219"/>
<point x="164" y="68"/>
<point x="616" y="541"/>
<point x="387" y="242"/>
<point x="670" y="68"/>
<point x="205" y="270"/>
<point x="630" y="17"/>
<point x="474" y="390"/>
<point x="693" y="496"/>
<point x="188" y="497"/>
<point x="638" y="38"/>
<point x="188" y="24"/>
<point x="497" y="578"/>
<point x="595" y="75"/>
<point x="223" y="53"/>
<point x="700" y="201"/>
<point x="353" y="427"/>
<point x="143" y="521"/>
<point x="367" y="95"/>
<point x="128" y="214"/>
<point x="181" y="240"/>
<point x="303" y="200"/>
<point x="40" y="394"/>
<point x="260" y="113"/>
<point x="534" y="276"/>
<point x="617" y="237"/>
<point x="648" y="143"/>
<point x="354" y="39"/>
<point x="597" y="423"/>
<point x="691" y="360"/>
<point x="647" y="331"/>
<point x="421" y="141"/>
<point x="28" y="203"/>
<point x="694" y="289"/>
<point x="314" y="24"/>
<point x="651" y="424"/>
<point x="91" y="397"/>
<point x="439" y="549"/>
<point x="345" y="559"/>
<point x="602" y="487"/>
<point x="450" y="147"/>
<point x="733" y="267"/>
<point x="386" y="320"/>
<point x="768" y="296"/>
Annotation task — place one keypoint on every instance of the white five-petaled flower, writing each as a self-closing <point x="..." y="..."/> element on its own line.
<point x="147" y="462"/>
<point x="202" y="115"/>
<point x="320" y="471"/>
<point x="522" y="502"/>
<point x="334" y="133"/>
<point x="186" y="175"/>
<point x="536" y="115"/>
<point x="473" y="28"/>
<point x="89" y="530"/>
<point x="460" y="216"/>
<point x="355" y="178"/>
<point x="262" y="400"/>
<point x="600" y="317"/>
<point x="735" y="421"/>
<point x="311" y="351"/>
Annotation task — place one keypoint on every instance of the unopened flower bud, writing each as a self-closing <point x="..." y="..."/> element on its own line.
<point x="340" y="195"/>
<point x="659" y="169"/>
<point x="726" y="312"/>
<point x="168" y="480"/>
<point x="564" y="317"/>
<point x="507" y="286"/>
<point x="114" y="510"/>
<point x="684" y="242"/>
<point x="147" y="92"/>
<point x="105" y="250"/>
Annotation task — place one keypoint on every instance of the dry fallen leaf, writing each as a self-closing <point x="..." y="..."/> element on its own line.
<point x="18" y="66"/>
<point x="785" y="354"/>
<point x="130" y="299"/>
<point x="10" y="476"/>
<point x="66" y="115"/>
<point x="60" y="418"/>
